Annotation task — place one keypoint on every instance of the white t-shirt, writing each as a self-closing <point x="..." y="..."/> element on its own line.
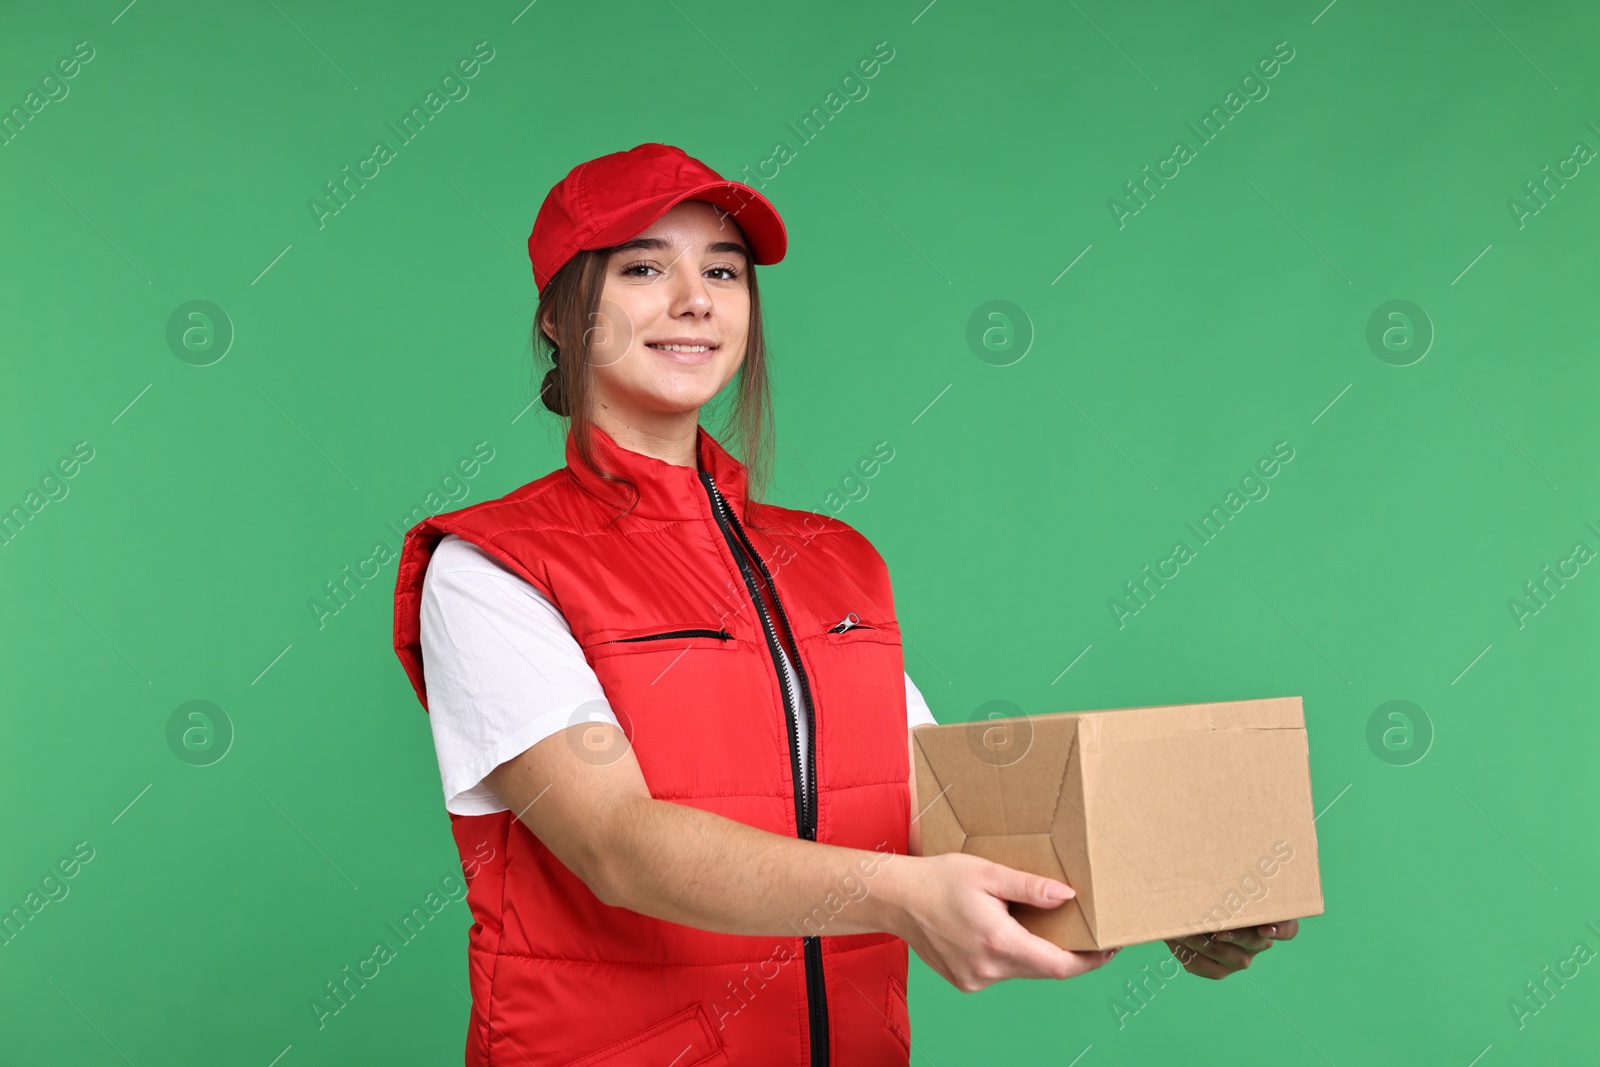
<point x="504" y="672"/>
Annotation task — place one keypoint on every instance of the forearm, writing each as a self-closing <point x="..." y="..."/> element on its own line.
<point x="679" y="863"/>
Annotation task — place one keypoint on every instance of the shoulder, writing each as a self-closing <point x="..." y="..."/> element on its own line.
<point x="506" y="526"/>
<point x="812" y="527"/>
<point x="778" y="516"/>
<point x="460" y="570"/>
<point x="537" y="504"/>
<point x="456" y="556"/>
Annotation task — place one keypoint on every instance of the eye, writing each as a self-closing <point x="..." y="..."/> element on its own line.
<point x="641" y="268"/>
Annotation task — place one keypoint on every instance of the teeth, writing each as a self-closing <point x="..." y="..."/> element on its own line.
<point x="682" y="348"/>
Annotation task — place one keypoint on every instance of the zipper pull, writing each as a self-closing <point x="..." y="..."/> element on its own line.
<point x="852" y="619"/>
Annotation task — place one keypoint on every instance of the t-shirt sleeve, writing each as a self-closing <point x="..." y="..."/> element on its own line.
<point x="503" y="671"/>
<point x="917" y="710"/>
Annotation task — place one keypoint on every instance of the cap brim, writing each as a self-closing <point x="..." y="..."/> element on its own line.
<point x="754" y="213"/>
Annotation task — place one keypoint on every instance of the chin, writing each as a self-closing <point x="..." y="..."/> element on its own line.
<point x="681" y="402"/>
<point x="668" y="401"/>
<point x="688" y="390"/>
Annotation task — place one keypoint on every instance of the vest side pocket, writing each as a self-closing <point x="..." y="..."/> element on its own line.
<point x="684" y="1039"/>
<point x="897" y="1013"/>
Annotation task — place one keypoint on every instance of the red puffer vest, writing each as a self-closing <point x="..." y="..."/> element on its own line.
<point x="667" y="605"/>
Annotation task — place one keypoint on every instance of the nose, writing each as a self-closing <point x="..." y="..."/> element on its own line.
<point x="689" y="292"/>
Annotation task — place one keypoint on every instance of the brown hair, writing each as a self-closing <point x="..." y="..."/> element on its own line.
<point x="571" y="298"/>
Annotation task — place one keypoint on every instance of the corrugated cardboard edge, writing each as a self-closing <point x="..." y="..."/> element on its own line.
<point x="1072" y="925"/>
<point x="941" y="830"/>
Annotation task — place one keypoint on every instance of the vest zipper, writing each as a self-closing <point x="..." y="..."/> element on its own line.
<point x="805" y="799"/>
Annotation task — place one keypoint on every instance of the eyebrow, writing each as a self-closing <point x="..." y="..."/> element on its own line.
<point x="656" y="244"/>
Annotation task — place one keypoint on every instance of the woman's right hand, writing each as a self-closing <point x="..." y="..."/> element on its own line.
<point x="953" y="913"/>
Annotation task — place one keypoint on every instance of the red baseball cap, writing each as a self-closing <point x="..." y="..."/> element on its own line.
<point x="611" y="199"/>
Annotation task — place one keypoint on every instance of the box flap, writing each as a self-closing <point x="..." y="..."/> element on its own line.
<point x="940" y="829"/>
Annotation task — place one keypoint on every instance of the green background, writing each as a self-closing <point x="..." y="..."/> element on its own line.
<point x="1228" y="314"/>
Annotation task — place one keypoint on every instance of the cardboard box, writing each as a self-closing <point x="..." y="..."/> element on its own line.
<point x="1168" y="821"/>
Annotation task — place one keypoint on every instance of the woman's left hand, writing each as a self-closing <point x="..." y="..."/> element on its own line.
<point x="1220" y="954"/>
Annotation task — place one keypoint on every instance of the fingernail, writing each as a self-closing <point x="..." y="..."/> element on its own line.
<point x="1222" y="935"/>
<point x="1272" y="931"/>
<point x="1059" y="891"/>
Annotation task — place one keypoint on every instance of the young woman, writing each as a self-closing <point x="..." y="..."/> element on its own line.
<point x="671" y="719"/>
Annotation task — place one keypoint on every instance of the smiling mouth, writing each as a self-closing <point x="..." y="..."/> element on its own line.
<point x="684" y="349"/>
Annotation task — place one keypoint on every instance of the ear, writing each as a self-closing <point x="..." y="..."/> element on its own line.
<point x="547" y="323"/>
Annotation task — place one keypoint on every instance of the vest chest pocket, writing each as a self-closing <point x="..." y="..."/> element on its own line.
<point x="658" y="638"/>
<point x="853" y="628"/>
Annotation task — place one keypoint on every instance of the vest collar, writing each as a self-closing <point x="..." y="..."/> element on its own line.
<point x="666" y="490"/>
